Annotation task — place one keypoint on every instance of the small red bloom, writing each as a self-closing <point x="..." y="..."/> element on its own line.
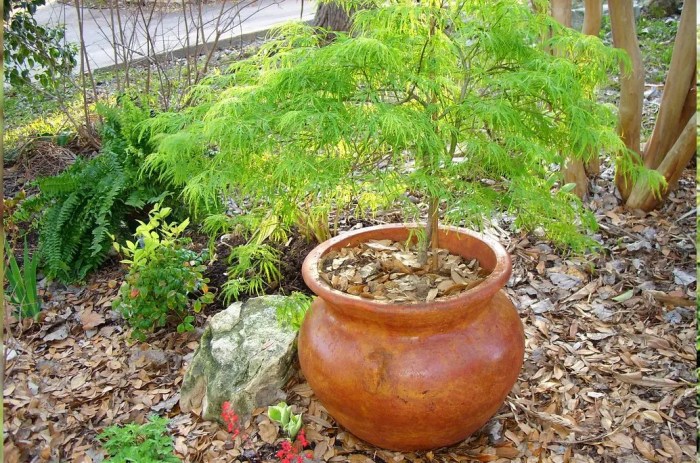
<point x="291" y="452"/>
<point x="228" y="415"/>
<point x="301" y="438"/>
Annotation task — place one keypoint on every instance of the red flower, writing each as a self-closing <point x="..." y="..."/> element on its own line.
<point x="231" y="419"/>
<point x="301" y="438"/>
<point x="291" y="453"/>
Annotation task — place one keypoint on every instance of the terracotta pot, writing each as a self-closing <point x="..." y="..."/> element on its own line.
<point x="413" y="376"/>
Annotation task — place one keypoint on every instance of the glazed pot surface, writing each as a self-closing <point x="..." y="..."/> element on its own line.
<point x="413" y="376"/>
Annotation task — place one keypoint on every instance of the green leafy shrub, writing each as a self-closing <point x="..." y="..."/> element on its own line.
<point x="472" y="105"/>
<point x="163" y="276"/>
<point x="21" y="283"/>
<point x="34" y="52"/>
<point x="145" y="443"/>
<point x="93" y="199"/>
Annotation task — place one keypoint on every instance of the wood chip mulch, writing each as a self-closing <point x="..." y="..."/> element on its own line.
<point x="389" y="271"/>
<point x="609" y="373"/>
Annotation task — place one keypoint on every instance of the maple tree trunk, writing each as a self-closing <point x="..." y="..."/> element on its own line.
<point x="678" y="84"/>
<point x="671" y="168"/>
<point x="631" y="83"/>
<point x="592" y="17"/>
<point x="331" y="16"/>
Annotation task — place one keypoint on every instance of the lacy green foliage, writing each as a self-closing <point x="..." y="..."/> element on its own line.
<point x="145" y="443"/>
<point x="34" y="52"/>
<point x="254" y="267"/>
<point x="21" y="283"/>
<point x="165" y="279"/>
<point x="291" y="312"/>
<point x="470" y="102"/>
<point x="93" y="198"/>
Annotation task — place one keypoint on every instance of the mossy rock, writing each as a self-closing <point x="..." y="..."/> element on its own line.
<point x="244" y="357"/>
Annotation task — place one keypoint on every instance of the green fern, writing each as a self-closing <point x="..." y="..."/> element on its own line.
<point x="94" y="198"/>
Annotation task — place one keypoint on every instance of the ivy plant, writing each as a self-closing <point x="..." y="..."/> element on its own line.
<point x="470" y="106"/>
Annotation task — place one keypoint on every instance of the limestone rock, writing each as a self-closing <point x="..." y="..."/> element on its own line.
<point x="244" y="357"/>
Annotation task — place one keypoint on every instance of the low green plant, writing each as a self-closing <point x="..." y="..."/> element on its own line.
<point x="288" y="421"/>
<point x="21" y="215"/>
<point x="255" y="267"/>
<point x="144" y="443"/>
<point x="291" y="312"/>
<point x="165" y="278"/>
<point x="95" y="197"/>
<point x="21" y="283"/>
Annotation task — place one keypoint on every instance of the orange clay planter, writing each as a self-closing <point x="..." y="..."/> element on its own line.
<point x="413" y="376"/>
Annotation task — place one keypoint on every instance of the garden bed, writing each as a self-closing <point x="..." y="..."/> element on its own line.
<point x="608" y="374"/>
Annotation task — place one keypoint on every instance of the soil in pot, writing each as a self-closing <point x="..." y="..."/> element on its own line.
<point x="391" y="271"/>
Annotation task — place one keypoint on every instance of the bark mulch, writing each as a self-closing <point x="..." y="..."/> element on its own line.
<point x="609" y="371"/>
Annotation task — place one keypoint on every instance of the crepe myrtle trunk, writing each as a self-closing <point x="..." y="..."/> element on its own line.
<point x="672" y="144"/>
<point x="631" y="84"/>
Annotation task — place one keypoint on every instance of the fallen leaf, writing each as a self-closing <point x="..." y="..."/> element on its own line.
<point x="90" y="319"/>
<point x="645" y="448"/>
<point x="268" y="432"/>
<point x="59" y="334"/>
<point x="624" y="296"/>
<point x="639" y="380"/>
<point x="670" y="446"/>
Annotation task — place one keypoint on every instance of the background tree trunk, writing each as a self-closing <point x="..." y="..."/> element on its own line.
<point x="573" y="169"/>
<point x="561" y="11"/>
<point x="673" y="140"/>
<point x="331" y="16"/>
<point x="678" y="84"/>
<point x="592" y="17"/>
<point x="632" y="84"/>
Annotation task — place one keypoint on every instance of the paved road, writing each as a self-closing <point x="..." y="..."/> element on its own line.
<point x="168" y="30"/>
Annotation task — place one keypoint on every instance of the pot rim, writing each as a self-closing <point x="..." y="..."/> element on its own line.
<point x="436" y="309"/>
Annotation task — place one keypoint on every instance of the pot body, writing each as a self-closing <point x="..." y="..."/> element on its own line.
<point x="413" y="376"/>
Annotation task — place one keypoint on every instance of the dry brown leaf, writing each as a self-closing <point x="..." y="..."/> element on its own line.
<point x="181" y="446"/>
<point x="639" y="380"/>
<point x="672" y="448"/>
<point x="267" y="432"/>
<point x="320" y="450"/>
<point x="507" y="452"/>
<point x="90" y="319"/>
<point x="645" y="448"/>
<point x="358" y="458"/>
